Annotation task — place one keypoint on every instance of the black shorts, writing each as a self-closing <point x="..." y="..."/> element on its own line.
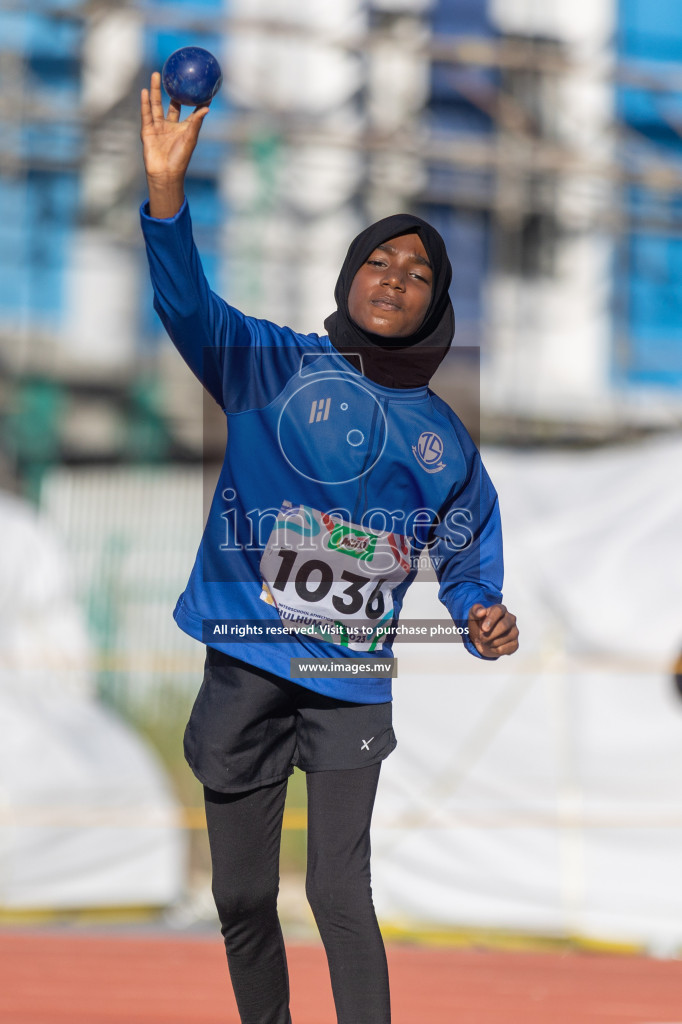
<point x="249" y="728"/>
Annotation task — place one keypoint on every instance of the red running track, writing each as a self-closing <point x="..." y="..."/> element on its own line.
<point x="57" y="978"/>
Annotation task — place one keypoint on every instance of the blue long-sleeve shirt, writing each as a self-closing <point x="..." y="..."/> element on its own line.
<point x="331" y="489"/>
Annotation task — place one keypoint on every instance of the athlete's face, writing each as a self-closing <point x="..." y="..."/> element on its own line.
<point x="391" y="291"/>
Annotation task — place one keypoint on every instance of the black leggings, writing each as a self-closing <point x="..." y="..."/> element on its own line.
<point x="244" y="830"/>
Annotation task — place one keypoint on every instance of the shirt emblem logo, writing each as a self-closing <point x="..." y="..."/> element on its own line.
<point x="319" y="410"/>
<point x="428" y="451"/>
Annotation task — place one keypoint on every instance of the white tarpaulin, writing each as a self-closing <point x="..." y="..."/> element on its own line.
<point x="543" y="792"/>
<point x="86" y="815"/>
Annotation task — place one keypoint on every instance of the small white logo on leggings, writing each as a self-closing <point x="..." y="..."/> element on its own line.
<point x="365" y="744"/>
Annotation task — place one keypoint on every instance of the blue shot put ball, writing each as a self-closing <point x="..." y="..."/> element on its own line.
<point x="191" y="76"/>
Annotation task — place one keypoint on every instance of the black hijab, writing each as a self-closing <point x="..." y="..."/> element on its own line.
<point x="411" y="362"/>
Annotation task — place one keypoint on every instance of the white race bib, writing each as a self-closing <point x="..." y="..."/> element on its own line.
<point x="332" y="579"/>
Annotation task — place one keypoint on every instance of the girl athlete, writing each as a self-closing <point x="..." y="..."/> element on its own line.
<point x="341" y="467"/>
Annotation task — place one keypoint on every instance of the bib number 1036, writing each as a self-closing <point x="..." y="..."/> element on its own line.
<point x="332" y="579"/>
<point x="314" y="579"/>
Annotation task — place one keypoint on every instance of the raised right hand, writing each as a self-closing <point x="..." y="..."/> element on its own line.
<point x="167" y="147"/>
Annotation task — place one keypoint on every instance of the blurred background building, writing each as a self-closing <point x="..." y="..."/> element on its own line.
<point x="543" y="139"/>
